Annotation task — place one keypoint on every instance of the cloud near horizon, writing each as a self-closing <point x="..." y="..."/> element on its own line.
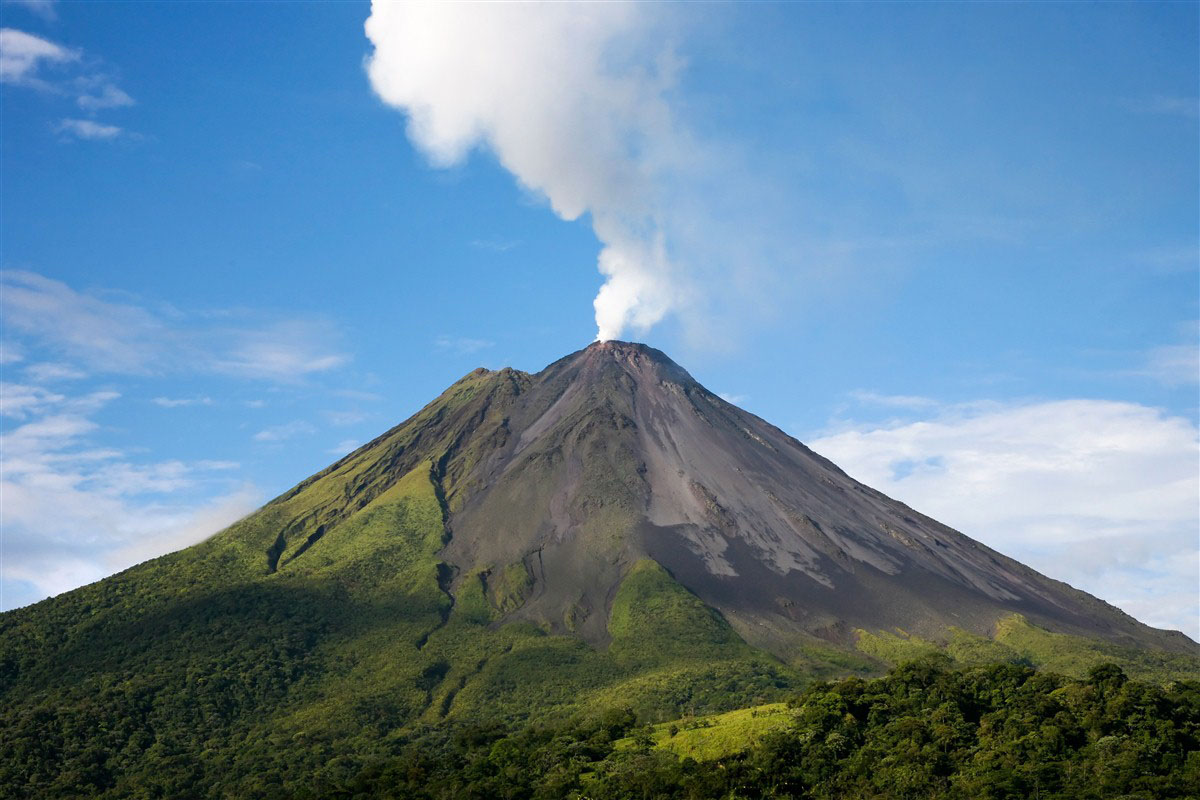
<point x="75" y="512"/>
<point x="1100" y="494"/>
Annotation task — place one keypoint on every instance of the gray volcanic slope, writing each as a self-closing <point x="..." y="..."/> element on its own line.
<point x="556" y="483"/>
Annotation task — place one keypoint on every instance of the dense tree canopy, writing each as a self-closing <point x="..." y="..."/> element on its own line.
<point x="924" y="731"/>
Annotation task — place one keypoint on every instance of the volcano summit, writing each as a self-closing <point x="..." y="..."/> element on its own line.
<point x="602" y="534"/>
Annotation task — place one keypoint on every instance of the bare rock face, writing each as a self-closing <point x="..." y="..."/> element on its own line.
<point x="556" y="483"/>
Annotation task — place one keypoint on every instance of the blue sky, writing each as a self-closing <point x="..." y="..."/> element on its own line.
<point x="953" y="247"/>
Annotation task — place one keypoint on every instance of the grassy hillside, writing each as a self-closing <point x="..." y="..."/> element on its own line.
<point x="1017" y="641"/>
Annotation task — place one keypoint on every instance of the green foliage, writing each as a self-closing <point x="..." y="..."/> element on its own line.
<point x="1075" y="655"/>
<point x="1016" y="641"/>
<point x="717" y="736"/>
<point x="1001" y="732"/>
<point x="894" y="648"/>
<point x="971" y="650"/>
<point x="470" y="599"/>
<point x="655" y="620"/>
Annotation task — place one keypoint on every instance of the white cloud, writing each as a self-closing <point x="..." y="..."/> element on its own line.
<point x="572" y="100"/>
<point x="19" y="400"/>
<point x="735" y="399"/>
<point x="110" y="336"/>
<point x="74" y="512"/>
<point x="279" y="433"/>
<point x="107" y="95"/>
<point x="54" y="547"/>
<point x="21" y="55"/>
<point x="89" y="129"/>
<point x="343" y="447"/>
<point x="1104" y="495"/>
<point x="282" y="351"/>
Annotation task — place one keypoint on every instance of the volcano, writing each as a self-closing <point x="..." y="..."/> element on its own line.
<point x="605" y="533"/>
<point x="556" y="484"/>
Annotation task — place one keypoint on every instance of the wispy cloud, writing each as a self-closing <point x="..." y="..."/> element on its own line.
<point x="462" y="344"/>
<point x="1104" y="495"/>
<point x="20" y="400"/>
<point x="110" y="336"/>
<point x="48" y="372"/>
<point x="282" y="351"/>
<point x="279" y="433"/>
<point x="89" y="129"/>
<point x="735" y="399"/>
<point x="343" y="447"/>
<point x="22" y="55"/>
<point x="1174" y="365"/>
<point x="27" y="60"/>
<point x="107" y="95"/>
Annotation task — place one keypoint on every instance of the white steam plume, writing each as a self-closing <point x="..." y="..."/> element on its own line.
<point x="571" y="98"/>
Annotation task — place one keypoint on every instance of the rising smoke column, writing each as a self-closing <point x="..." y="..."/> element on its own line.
<point x="571" y="99"/>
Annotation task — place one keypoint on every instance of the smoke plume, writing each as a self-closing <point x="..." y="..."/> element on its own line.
<point x="572" y="99"/>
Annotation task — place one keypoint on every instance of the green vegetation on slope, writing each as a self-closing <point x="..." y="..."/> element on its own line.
<point x="655" y="620"/>
<point x="1017" y="641"/>
<point x="713" y="737"/>
<point x="1002" y="732"/>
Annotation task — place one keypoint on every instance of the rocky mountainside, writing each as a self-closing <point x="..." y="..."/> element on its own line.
<point x="556" y="483"/>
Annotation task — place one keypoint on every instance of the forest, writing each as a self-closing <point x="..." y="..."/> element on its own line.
<point x="928" y="729"/>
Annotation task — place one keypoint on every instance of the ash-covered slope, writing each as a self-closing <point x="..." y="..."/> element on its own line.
<point x="556" y="483"/>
